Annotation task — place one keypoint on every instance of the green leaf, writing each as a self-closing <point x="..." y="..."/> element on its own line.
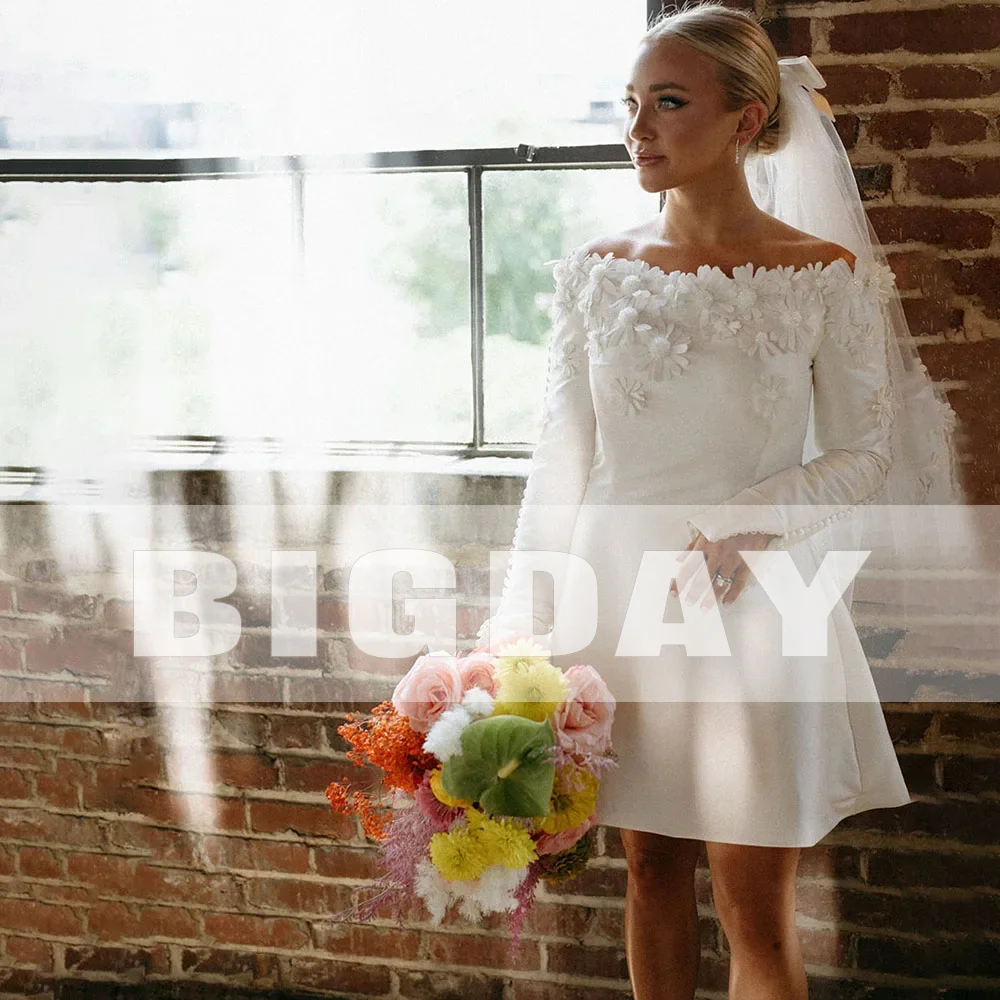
<point x="505" y="765"/>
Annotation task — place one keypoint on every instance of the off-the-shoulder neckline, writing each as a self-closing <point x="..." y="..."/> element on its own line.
<point x="748" y="268"/>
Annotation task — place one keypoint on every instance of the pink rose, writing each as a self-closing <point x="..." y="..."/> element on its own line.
<point x="553" y="843"/>
<point x="431" y="686"/>
<point x="476" y="670"/>
<point x="583" y="721"/>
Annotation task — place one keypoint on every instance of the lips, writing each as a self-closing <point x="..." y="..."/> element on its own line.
<point x="644" y="159"/>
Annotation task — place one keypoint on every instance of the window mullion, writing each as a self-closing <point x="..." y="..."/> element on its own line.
<point x="477" y="309"/>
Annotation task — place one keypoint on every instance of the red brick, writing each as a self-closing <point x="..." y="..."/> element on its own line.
<point x="390" y="943"/>
<point x="51" y="601"/>
<point x="481" y="950"/>
<point x="28" y="915"/>
<point x="594" y="881"/>
<point x="954" y="127"/>
<point x="849" y="83"/>
<point x="562" y="920"/>
<point x="305" y="775"/>
<point x="385" y="666"/>
<point x="183" y="886"/>
<point x="167" y="846"/>
<point x="946" y="227"/>
<point x="255" y="966"/>
<point x="346" y="862"/>
<point x="153" y="960"/>
<point x="258" y="855"/>
<point x="31" y="951"/>
<point x="259" y="932"/>
<point x="342" y="977"/>
<point x="790" y="36"/>
<point x="14" y="784"/>
<point x="297" y="817"/>
<point x="959" y="29"/>
<point x="10" y="655"/>
<point x="934" y="319"/>
<point x="297" y="895"/>
<point x="104" y="872"/>
<point x="948" y="81"/>
<point x="48" y="829"/>
<point x="61" y="788"/>
<point x="38" y="862"/>
<point x="108" y="921"/>
<point x="184" y="809"/>
<point x="82" y="652"/>
<point x="949" y="177"/>
<point x="248" y="690"/>
<point x="593" y="960"/>
<point x="295" y="733"/>
<point x="900" y="129"/>
<point x="119" y="615"/>
<point x="449" y="985"/>
<point x="242" y="770"/>
<point x="167" y="921"/>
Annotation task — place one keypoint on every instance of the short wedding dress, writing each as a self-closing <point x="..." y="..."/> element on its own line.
<point x="680" y="401"/>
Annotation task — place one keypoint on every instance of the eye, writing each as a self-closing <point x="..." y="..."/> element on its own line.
<point x="627" y="100"/>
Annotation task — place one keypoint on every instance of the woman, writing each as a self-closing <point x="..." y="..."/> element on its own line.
<point x="681" y="363"/>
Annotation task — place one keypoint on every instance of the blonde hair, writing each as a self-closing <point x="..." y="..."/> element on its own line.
<point x="748" y="61"/>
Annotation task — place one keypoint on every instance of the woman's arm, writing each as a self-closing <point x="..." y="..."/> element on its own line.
<point x="854" y="407"/>
<point x="562" y="458"/>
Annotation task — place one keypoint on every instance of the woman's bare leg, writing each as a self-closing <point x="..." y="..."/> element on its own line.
<point x="661" y="915"/>
<point x="754" y="893"/>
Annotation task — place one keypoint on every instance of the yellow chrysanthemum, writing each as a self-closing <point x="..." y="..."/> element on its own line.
<point x="528" y="686"/>
<point x="520" y="649"/>
<point x="441" y="795"/>
<point x="458" y="855"/>
<point x="574" y="796"/>
<point x="503" y="841"/>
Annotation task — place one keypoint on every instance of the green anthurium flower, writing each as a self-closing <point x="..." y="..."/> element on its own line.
<point x="505" y="765"/>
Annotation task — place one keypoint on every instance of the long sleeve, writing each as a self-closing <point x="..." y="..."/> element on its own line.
<point x="854" y="404"/>
<point x="561" y="460"/>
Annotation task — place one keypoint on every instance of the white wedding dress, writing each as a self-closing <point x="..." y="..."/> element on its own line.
<point x="677" y="401"/>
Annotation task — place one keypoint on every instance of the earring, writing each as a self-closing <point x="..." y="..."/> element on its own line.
<point x="737" y="152"/>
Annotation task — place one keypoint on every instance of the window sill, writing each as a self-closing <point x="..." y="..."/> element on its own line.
<point x="156" y="474"/>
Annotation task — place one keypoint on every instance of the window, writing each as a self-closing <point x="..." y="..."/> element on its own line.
<point x="329" y="230"/>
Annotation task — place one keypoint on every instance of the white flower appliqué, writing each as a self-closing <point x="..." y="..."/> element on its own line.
<point x="667" y="354"/>
<point x="884" y="406"/>
<point x="766" y="393"/>
<point x="630" y="394"/>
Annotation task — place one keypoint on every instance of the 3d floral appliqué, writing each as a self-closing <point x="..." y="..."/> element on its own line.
<point x="766" y="393"/>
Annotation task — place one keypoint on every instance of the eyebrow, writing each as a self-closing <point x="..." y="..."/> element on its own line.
<point x="661" y="86"/>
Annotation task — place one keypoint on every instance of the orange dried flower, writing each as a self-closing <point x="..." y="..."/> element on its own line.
<point x="388" y="741"/>
<point x="385" y="739"/>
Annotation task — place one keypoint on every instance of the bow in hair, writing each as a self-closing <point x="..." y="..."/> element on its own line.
<point x="800" y="70"/>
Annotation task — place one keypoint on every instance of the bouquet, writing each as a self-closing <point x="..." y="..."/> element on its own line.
<point x="492" y="767"/>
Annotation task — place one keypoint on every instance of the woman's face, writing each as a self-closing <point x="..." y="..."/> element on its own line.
<point x="685" y="124"/>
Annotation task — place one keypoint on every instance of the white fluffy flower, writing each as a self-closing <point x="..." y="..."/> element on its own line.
<point x="478" y="702"/>
<point x="444" y="739"/>
<point x="492" y="892"/>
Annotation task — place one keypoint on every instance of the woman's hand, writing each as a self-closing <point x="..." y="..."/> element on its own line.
<point x="721" y="556"/>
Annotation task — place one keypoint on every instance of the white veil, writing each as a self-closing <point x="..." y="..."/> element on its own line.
<point x="809" y="184"/>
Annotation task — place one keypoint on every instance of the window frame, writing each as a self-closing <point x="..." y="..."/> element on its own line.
<point x="193" y="450"/>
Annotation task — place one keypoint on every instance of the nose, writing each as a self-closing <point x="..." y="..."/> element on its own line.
<point x="639" y="130"/>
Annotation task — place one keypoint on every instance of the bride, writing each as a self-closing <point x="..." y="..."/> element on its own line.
<point x="688" y="361"/>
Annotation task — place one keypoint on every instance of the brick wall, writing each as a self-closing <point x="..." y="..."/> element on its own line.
<point x="183" y="849"/>
<point x="914" y="86"/>
<point x="109" y="875"/>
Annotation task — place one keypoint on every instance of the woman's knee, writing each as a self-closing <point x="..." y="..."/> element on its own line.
<point x="655" y="862"/>
<point x="753" y="889"/>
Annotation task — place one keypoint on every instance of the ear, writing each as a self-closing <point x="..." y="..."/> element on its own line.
<point x="754" y="117"/>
